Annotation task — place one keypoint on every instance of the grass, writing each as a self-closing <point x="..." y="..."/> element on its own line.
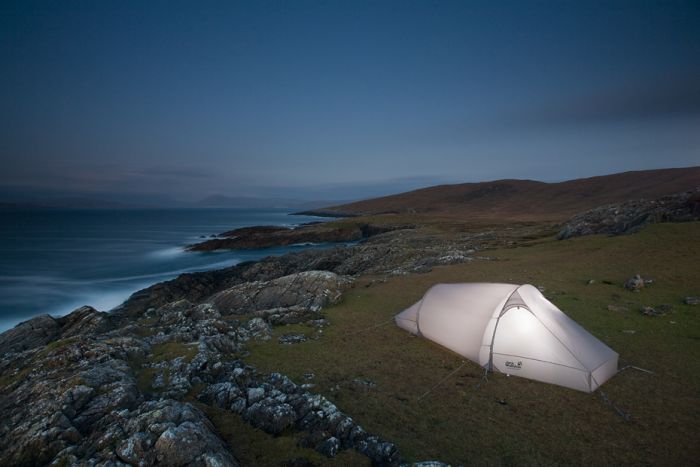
<point x="159" y="353"/>
<point x="255" y="447"/>
<point x="538" y="423"/>
<point x="171" y="350"/>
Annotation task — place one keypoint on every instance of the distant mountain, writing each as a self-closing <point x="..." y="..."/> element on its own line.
<point x="526" y="199"/>
<point x="72" y="202"/>
<point x="28" y="197"/>
<point x="223" y="201"/>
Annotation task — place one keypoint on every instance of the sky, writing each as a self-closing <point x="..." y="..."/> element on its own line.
<point x="338" y="98"/>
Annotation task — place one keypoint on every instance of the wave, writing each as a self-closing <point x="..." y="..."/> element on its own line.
<point x="167" y="253"/>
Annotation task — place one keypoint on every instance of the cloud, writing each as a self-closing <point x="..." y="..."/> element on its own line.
<point x="169" y="173"/>
<point x="635" y="101"/>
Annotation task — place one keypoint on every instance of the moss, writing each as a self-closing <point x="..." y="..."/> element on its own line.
<point x="54" y="346"/>
<point x="8" y="378"/>
<point x="171" y="350"/>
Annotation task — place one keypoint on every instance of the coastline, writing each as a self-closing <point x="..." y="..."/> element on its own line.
<point x="260" y="352"/>
<point x="61" y="259"/>
<point x="293" y="348"/>
<point x="204" y="310"/>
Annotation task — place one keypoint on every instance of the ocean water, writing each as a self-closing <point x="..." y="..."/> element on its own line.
<point x="53" y="261"/>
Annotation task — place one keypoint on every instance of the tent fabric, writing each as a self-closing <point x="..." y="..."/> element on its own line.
<point x="511" y="329"/>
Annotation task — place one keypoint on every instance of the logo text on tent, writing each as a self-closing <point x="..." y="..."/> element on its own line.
<point x="514" y="365"/>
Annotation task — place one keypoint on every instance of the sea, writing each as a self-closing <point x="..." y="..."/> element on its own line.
<point x="54" y="261"/>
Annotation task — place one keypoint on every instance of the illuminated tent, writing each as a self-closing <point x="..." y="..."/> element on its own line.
<point x="511" y="329"/>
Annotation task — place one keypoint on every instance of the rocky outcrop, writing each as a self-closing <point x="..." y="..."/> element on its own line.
<point x="44" y="329"/>
<point x="274" y="403"/>
<point x="268" y="236"/>
<point x="396" y="253"/>
<point x="168" y="432"/>
<point x="95" y="388"/>
<point x="309" y="290"/>
<point x="55" y="400"/>
<point x="88" y="389"/>
<point x="30" y="334"/>
<point x="632" y="216"/>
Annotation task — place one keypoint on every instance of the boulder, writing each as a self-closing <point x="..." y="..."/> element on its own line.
<point x="651" y="311"/>
<point x="635" y="283"/>
<point x="329" y="447"/>
<point x="310" y="290"/>
<point x="30" y="334"/>
<point x="691" y="300"/>
<point x="270" y="416"/>
<point x="292" y="339"/>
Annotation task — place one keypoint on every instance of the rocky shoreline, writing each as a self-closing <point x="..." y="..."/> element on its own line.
<point x="133" y="386"/>
<point x="96" y="388"/>
<point x="265" y="236"/>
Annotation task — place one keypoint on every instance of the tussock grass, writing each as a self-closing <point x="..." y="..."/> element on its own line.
<point x="538" y="423"/>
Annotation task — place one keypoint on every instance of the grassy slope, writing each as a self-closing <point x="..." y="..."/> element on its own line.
<point x="540" y="423"/>
<point x="530" y="200"/>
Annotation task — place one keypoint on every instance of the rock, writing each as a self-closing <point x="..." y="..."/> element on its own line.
<point x="311" y="290"/>
<point x="635" y="283"/>
<point x="292" y="339"/>
<point x="650" y="311"/>
<point x="81" y="402"/>
<point x="258" y="329"/>
<point x="270" y="416"/>
<point x="186" y="443"/>
<point x="691" y="301"/>
<point x="329" y="447"/>
<point x="83" y="321"/>
<point x="266" y="236"/>
<point x="590" y="282"/>
<point x="137" y="450"/>
<point x="29" y="334"/>
<point x="289" y="315"/>
<point x="631" y="216"/>
<point x="255" y="394"/>
<point x="365" y="382"/>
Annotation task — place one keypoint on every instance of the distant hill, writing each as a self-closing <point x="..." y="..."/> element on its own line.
<point x="73" y="202"/>
<point x="526" y="199"/>
<point x="223" y="201"/>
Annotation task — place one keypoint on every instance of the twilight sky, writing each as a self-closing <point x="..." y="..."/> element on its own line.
<point x="291" y="98"/>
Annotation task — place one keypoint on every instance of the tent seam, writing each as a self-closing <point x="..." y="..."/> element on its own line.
<point x="495" y="327"/>
<point x="559" y="340"/>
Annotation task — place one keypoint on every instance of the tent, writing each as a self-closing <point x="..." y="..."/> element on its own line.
<point x="511" y="329"/>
